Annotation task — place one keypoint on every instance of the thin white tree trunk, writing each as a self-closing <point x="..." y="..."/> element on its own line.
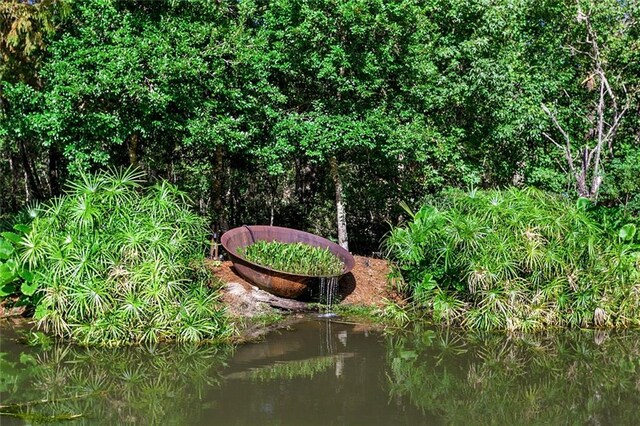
<point x="341" y="213"/>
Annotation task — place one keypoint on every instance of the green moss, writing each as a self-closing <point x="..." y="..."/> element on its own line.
<point x="359" y="313"/>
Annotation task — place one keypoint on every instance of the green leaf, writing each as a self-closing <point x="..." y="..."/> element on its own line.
<point x="28" y="288"/>
<point x="40" y="312"/>
<point x="583" y="203"/>
<point x="408" y="355"/>
<point x="7" y="290"/>
<point x="21" y="228"/>
<point x="7" y="274"/>
<point x="12" y="266"/>
<point x="27" y="359"/>
<point x="627" y="232"/>
<point x="6" y="249"/>
<point x="12" y="236"/>
<point x="26" y="275"/>
<point x="407" y="209"/>
<point x="428" y="283"/>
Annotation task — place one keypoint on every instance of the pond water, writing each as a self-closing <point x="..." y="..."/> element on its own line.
<point x="328" y="372"/>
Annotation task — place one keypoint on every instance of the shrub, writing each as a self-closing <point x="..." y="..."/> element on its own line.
<point x="14" y="279"/>
<point x="518" y="260"/>
<point x="115" y="263"/>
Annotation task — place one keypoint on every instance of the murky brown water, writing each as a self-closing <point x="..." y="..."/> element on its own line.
<point x="324" y="372"/>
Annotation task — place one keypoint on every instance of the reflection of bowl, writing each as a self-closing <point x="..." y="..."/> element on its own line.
<point x="280" y="283"/>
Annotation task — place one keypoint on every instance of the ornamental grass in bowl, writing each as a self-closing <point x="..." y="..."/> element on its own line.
<point x="294" y="258"/>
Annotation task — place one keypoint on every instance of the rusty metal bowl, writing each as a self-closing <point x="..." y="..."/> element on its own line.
<point x="279" y="283"/>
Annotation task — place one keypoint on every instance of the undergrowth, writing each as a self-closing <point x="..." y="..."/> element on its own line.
<point x="115" y="263"/>
<point x="518" y="260"/>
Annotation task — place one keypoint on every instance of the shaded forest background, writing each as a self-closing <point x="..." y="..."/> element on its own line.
<point x="279" y="112"/>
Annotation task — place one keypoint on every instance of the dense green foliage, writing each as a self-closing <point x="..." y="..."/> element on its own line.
<point x="245" y="105"/>
<point x="307" y="113"/>
<point x="297" y="258"/>
<point x="14" y="278"/>
<point x="114" y="263"/>
<point x="518" y="260"/>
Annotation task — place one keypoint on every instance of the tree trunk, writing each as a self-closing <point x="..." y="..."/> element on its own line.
<point x="341" y="214"/>
<point x="218" y="189"/>
<point x="32" y="182"/>
<point x="54" y="171"/>
<point x="606" y="118"/>
<point x="133" y="149"/>
<point x="15" y="177"/>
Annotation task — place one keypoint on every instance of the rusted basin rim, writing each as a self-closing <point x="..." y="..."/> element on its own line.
<point x="290" y="236"/>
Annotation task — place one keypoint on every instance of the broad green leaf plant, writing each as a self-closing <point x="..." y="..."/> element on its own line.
<point x="14" y="278"/>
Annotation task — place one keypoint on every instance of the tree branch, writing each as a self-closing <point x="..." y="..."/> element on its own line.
<point x="567" y="147"/>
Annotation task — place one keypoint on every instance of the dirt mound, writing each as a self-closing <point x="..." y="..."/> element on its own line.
<point x="365" y="285"/>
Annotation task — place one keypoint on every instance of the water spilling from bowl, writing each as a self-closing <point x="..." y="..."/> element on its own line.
<point x="328" y="291"/>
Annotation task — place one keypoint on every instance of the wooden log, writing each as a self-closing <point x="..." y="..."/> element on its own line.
<point x="248" y="295"/>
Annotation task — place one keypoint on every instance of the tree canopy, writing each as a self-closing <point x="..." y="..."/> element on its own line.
<point x="279" y="111"/>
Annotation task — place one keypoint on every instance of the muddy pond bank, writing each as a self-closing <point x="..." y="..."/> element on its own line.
<point x="365" y="286"/>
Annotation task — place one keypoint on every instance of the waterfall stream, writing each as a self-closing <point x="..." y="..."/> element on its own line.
<point x="328" y="291"/>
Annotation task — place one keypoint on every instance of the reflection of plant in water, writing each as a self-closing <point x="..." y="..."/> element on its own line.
<point x="484" y="378"/>
<point x="16" y="374"/>
<point x="111" y="386"/>
<point x="306" y="368"/>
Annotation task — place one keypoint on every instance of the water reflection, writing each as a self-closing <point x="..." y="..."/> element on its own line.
<point x="325" y="372"/>
<point x="583" y="377"/>
<point x="160" y="385"/>
<point x="284" y="358"/>
<point x="321" y="372"/>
